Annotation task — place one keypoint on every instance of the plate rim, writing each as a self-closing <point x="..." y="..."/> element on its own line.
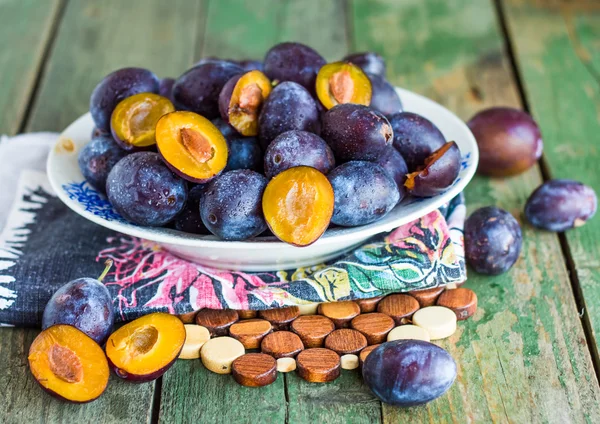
<point x="174" y="237"/>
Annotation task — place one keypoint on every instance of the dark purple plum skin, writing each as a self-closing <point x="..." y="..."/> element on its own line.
<point x="409" y="372"/>
<point x="97" y="132"/>
<point x="493" y="240"/>
<point x="117" y="86"/>
<point x="212" y="59"/>
<point x="231" y="206"/>
<point x="251" y="65"/>
<point x="227" y="130"/>
<point x="143" y="190"/>
<point x="298" y="148"/>
<point x="293" y="62"/>
<point x="198" y="89"/>
<point x="84" y="303"/>
<point x="165" y="88"/>
<point x="356" y="132"/>
<point x="288" y="107"/>
<point x="393" y="163"/>
<point x="369" y="62"/>
<point x="439" y="174"/>
<point x="244" y="153"/>
<point x="509" y="141"/>
<point x="97" y="158"/>
<point x="383" y="96"/>
<point x="559" y="205"/>
<point x="415" y="137"/>
<point x="364" y="193"/>
<point x="189" y="220"/>
<point x="225" y="96"/>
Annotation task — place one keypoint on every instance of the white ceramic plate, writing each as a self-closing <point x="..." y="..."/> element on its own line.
<point x="262" y="253"/>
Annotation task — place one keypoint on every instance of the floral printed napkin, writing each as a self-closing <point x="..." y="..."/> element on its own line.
<point x="43" y="245"/>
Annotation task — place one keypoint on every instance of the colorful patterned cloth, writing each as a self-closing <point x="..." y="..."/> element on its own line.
<point x="43" y="245"/>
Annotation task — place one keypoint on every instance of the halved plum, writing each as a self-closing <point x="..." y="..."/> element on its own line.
<point x="191" y="146"/>
<point x="68" y="364"/>
<point x="133" y="121"/>
<point x="298" y="204"/>
<point x="342" y="82"/>
<point x="241" y="99"/>
<point x="438" y="173"/>
<point x="145" y="348"/>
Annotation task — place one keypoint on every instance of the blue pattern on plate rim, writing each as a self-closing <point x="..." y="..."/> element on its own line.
<point x="92" y="201"/>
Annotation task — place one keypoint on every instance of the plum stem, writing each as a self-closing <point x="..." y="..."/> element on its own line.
<point x="109" y="264"/>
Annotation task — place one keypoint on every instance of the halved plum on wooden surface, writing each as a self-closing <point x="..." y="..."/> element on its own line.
<point x="191" y="146"/>
<point x="298" y="204"/>
<point x="342" y="82"/>
<point x="241" y="99"/>
<point x="68" y="364"/>
<point x="145" y="348"/>
<point x="438" y="173"/>
<point x="133" y="121"/>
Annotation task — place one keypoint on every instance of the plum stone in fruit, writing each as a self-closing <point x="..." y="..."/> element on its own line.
<point x="559" y="205"/>
<point x="143" y="190"/>
<point x="492" y="240"/>
<point x="408" y="372"/>
<point x="86" y="304"/>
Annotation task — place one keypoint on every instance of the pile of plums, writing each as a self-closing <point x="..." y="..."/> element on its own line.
<point x="290" y="145"/>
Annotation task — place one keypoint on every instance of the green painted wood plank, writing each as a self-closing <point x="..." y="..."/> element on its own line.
<point x="557" y="46"/>
<point x="99" y="37"/>
<point x="90" y="44"/>
<point x="523" y="356"/>
<point x="23" y="401"/>
<point x="25" y="29"/>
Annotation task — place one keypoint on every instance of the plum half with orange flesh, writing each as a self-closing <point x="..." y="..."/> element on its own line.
<point x="342" y="82"/>
<point x="68" y="364"/>
<point x="145" y="348"/>
<point x="241" y="99"/>
<point x="298" y="204"/>
<point x="191" y="146"/>
<point x="437" y="174"/>
<point x="133" y="121"/>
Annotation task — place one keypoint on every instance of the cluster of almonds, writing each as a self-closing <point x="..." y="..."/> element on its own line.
<point x="317" y="340"/>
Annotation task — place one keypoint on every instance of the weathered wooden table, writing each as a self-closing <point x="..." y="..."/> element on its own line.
<point x="531" y="352"/>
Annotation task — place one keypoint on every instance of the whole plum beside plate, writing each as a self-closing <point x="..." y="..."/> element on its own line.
<point x="356" y="132"/>
<point x="117" y="86"/>
<point x="559" y="205"/>
<point x="370" y="62"/>
<point x="198" y="89"/>
<point x="438" y="173"/>
<point x="384" y="97"/>
<point x="364" y="193"/>
<point x="415" y="137"/>
<point x="231" y="206"/>
<point x="509" y="141"/>
<point x="293" y="62"/>
<point x="84" y="303"/>
<point x="492" y="240"/>
<point x="143" y="190"/>
<point x="97" y="158"/>
<point x="393" y="163"/>
<point x="408" y="372"/>
<point x="288" y="107"/>
<point x="297" y="148"/>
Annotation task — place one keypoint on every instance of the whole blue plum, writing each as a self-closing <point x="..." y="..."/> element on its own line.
<point x="293" y="62"/>
<point x="384" y="97"/>
<point x="364" y="193"/>
<point x="231" y="205"/>
<point x="559" y="205"/>
<point x="84" y="303"/>
<point x="97" y="158"/>
<point x="144" y="190"/>
<point x="117" y="86"/>
<point x="408" y="372"/>
<point x="244" y="153"/>
<point x="198" y="89"/>
<point x="394" y="164"/>
<point x="189" y="220"/>
<point x="165" y="88"/>
<point x="369" y="62"/>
